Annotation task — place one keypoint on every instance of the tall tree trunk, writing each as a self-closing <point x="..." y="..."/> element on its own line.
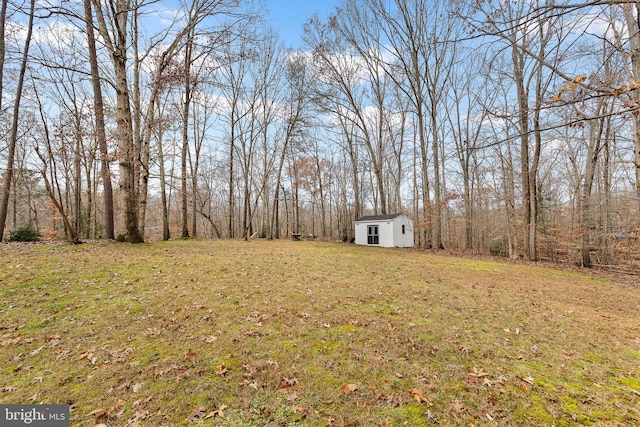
<point x="13" y="137"/>
<point x="116" y="42"/>
<point x="352" y="150"/>
<point x="77" y="170"/>
<point x="101" y="135"/>
<point x="468" y="207"/>
<point x="186" y="106"/>
<point x="232" y="147"/>
<point x="3" y="17"/>
<point x="523" y="130"/>
<point x="321" y="192"/>
<point x="585" y="205"/>
<point x="427" y="208"/>
<point x="166" y="234"/>
<point x="126" y="145"/>
<point x="141" y="174"/>
<point x="509" y="197"/>
<point x="275" y="221"/>
<point x="632" y="17"/>
<point x="597" y="128"/>
<point x="437" y="186"/>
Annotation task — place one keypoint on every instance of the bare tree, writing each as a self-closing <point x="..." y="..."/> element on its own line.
<point x="236" y="56"/>
<point x="49" y="172"/>
<point x="13" y="137"/>
<point x="112" y="18"/>
<point x="3" y="48"/>
<point x="159" y="131"/>
<point x="470" y="100"/>
<point x="295" y="101"/>
<point x="353" y="87"/>
<point x="406" y="26"/>
<point x="101" y="135"/>
<point x="632" y="18"/>
<point x="187" y="97"/>
<point x="533" y="42"/>
<point x="233" y="83"/>
<point x="168" y="69"/>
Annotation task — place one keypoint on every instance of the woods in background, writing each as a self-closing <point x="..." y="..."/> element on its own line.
<point x="509" y="128"/>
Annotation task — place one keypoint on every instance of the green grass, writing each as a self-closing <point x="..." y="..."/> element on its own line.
<point x="270" y="332"/>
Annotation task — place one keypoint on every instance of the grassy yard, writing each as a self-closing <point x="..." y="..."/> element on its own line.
<point x="236" y="333"/>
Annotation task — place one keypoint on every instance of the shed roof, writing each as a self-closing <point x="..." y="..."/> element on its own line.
<point x="378" y="217"/>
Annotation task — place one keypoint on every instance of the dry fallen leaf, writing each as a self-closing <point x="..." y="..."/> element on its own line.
<point x="138" y="416"/>
<point x="478" y="373"/>
<point x="191" y="356"/>
<point x="36" y="351"/>
<point x="419" y="397"/>
<point x="348" y="388"/>
<point x="458" y="406"/>
<point x="221" y="370"/>
<point x="395" y="399"/>
<point x="197" y="414"/>
<point x="124" y="385"/>
<point x="528" y="380"/>
<point x="217" y="413"/>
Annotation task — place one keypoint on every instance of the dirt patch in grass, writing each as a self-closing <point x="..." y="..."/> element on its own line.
<point x="261" y="333"/>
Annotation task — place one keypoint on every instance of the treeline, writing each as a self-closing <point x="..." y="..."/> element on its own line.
<point x="509" y="127"/>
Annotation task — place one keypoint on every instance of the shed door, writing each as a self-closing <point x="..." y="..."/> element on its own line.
<point x="373" y="237"/>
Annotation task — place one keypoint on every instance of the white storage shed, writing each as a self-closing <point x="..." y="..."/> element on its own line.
<point x="388" y="231"/>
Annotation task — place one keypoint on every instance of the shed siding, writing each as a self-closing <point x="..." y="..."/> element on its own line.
<point x="386" y="233"/>
<point x="403" y="240"/>
<point x="361" y="233"/>
<point x="389" y="231"/>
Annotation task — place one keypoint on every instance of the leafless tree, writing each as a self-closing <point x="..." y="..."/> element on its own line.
<point x="3" y="48"/>
<point x="13" y="137"/>
<point x="353" y="86"/>
<point x="632" y="17"/>
<point x="295" y="101"/>
<point x="101" y="135"/>
<point x="112" y="20"/>
<point x="468" y="110"/>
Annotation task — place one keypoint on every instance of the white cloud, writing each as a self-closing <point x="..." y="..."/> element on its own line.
<point x="594" y="23"/>
<point x="161" y="18"/>
<point x="55" y="33"/>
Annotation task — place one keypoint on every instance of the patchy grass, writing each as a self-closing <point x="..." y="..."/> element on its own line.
<point x="307" y="333"/>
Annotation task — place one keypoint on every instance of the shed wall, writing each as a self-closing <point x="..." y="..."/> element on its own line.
<point x="361" y="233"/>
<point x="389" y="231"/>
<point x="386" y="233"/>
<point x="403" y="240"/>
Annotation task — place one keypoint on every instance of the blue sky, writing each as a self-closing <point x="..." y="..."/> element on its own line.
<point x="288" y="16"/>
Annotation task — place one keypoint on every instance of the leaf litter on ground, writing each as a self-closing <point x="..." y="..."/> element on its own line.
<point x="271" y="332"/>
